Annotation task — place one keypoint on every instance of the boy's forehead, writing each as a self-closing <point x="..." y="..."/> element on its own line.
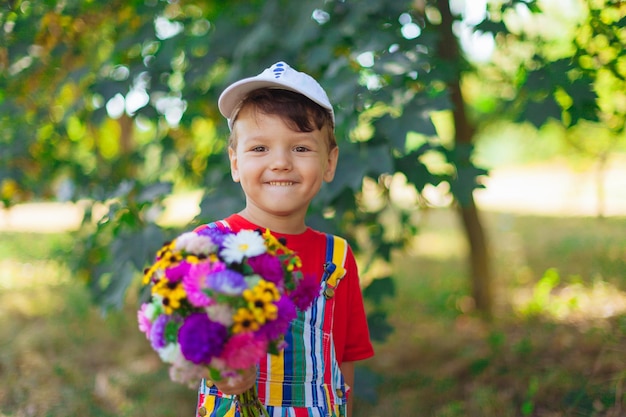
<point x="256" y="125"/>
<point x="258" y="119"/>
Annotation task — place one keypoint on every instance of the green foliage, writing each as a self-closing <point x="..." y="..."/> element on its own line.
<point x="108" y="101"/>
<point x="541" y="299"/>
<point x="122" y="242"/>
<point x="528" y="404"/>
<point x="376" y="292"/>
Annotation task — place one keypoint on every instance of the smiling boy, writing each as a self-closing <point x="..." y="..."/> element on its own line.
<point x="280" y="169"/>
<point x="282" y="148"/>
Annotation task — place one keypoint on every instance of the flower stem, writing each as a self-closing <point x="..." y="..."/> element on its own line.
<point x="250" y="405"/>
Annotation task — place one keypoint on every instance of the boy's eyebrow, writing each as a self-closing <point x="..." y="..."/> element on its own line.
<point x="296" y="136"/>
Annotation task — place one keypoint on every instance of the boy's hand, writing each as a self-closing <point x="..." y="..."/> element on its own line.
<point x="239" y="384"/>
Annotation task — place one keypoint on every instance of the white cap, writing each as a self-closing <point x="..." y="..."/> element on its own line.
<point x="281" y="76"/>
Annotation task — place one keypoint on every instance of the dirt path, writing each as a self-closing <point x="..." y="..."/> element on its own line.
<point x="542" y="189"/>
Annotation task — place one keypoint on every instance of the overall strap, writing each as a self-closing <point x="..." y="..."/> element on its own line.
<point x="305" y="374"/>
<point x="220" y="224"/>
<point x="334" y="266"/>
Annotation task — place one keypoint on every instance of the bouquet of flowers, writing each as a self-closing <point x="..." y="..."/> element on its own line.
<point x="220" y="302"/>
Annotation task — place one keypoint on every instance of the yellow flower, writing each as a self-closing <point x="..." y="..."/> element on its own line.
<point x="170" y="259"/>
<point x="165" y="249"/>
<point x="268" y="289"/>
<point x="192" y="259"/>
<point x="172" y="293"/>
<point x="244" y="321"/>
<point x="148" y="273"/>
<point x="261" y="301"/>
<point x="273" y="245"/>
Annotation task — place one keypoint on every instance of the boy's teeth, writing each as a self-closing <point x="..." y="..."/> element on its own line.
<point x="280" y="183"/>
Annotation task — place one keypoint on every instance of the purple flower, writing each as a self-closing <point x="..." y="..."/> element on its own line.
<point x="269" y="267"/>
<point x="164" y="330"/>
<point x="308" y="288"/>
<point x="157" y="332"/>
<point x="273" y="329"/>
<point x="201" y="339"/>
<point x="216" y="235"/>
<point x="227" y="282"/>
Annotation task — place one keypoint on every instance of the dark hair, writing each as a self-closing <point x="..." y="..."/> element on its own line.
<point x="299" y="112"/>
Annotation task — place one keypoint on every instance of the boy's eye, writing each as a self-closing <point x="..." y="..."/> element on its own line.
<point x="300" y="149"/>
<point x="259" y="149"/>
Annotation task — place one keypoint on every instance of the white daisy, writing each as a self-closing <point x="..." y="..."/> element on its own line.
<point x="191" y="242"/>
<point x="170" y="353"/>
<point x="246" y="243"/>
<point x="151" y="311"/>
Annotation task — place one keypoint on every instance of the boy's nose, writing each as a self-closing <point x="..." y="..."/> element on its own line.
<point x="281" y="160"/>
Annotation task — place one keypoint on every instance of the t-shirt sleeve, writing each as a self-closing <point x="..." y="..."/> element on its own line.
<point x="351" y="334"/>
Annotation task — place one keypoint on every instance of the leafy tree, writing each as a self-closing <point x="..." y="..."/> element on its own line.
<point x="113" y="104"/>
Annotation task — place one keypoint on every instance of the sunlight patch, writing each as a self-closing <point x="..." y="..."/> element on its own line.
<point x="573" y="303"/>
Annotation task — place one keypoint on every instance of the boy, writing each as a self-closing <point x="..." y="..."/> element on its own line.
<point x="282" y="148"/>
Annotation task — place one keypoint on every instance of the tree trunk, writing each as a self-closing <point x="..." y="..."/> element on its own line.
<point x="481" y="277"/>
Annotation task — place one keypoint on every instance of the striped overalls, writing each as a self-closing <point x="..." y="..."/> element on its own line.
<point x="304" y="380"/>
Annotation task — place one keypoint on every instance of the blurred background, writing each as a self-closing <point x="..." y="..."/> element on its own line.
<point x="481" y="183"/>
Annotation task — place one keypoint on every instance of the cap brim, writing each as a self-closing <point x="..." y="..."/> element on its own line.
<point x="236" y="92"/>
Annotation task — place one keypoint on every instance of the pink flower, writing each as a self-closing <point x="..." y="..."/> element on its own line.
<point x="194" y="282"/>
<point x="144" y="322"/>
<point x="244" y="350"/>
<point x="176" y="272"/>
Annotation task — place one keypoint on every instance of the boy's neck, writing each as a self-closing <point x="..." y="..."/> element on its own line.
<point x="290" y="225"/>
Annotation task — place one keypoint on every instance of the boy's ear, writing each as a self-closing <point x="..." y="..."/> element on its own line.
<point x="331" y="165"/>
<point x="234" y="168"/>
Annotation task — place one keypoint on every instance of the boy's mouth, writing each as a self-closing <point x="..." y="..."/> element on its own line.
<point x="280" y="183"/>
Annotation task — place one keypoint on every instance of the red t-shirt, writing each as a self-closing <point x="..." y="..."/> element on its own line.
<point x="350" y="332"/>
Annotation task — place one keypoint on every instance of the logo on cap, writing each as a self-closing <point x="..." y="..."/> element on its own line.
<point x="278" y="69"/>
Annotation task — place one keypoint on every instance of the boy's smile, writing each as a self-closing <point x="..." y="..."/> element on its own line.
<point x="280" y="170"/>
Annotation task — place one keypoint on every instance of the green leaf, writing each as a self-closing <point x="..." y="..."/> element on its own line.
<point x="379" y="326"/>
<point x="220" y="203"/>
<point x="415" y="171"/>
<point x="585" y="101"/>
<point x="465" y="182"/>
<point x="154" y="192"/>
<point x="491" y="26"/>
<point x="392" y="129"/>
<point x="108" y="286"/>
<point x="478" y="366"/>
<point x="355" y="162"/>
<point x="538" y="113"/>
<point x="378" y="289"/>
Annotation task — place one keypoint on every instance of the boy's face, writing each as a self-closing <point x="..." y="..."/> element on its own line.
<point x="280" y="170"/>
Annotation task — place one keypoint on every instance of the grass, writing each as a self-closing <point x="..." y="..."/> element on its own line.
<point x="557" y="346"/>
<point x="534" y="359"/>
